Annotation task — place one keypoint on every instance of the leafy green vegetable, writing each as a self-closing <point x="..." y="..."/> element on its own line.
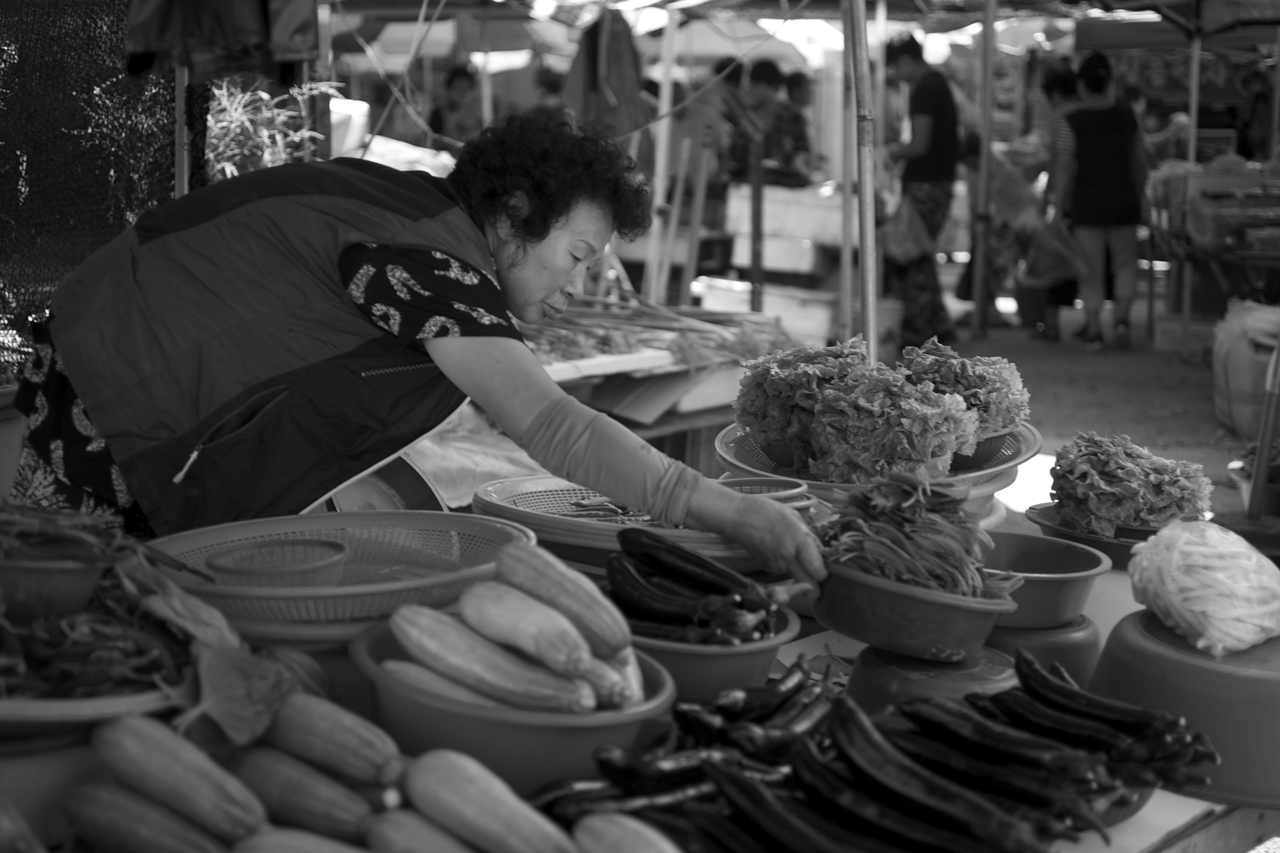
<point x="1100" y="483"/>
<point x="911" y="531"/>
<point x="875" y="421"/>
<point x="990" y="386"/>
<point x="780" y="392"/>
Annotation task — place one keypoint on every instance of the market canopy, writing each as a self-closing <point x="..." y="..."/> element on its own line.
<point x="1107" y="34"/>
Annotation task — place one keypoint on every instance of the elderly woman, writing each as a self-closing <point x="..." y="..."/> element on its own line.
<point x="247" y="348"/>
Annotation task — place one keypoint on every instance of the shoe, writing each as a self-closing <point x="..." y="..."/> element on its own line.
<point x="1121" y="334"/>
<point x="1093" y="342"/>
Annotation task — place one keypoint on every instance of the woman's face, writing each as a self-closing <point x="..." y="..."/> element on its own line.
<point x="541" y="279"/>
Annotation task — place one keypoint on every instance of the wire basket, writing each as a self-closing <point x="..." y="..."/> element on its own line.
<point x="393" y="558"/>
<point x="740" y="455"/>
<point x="539" y="503"/>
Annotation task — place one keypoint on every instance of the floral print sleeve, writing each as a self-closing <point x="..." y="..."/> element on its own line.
<point x="419" y="294"/>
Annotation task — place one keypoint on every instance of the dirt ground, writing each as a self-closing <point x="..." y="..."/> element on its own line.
<point x="1162" y="400"/>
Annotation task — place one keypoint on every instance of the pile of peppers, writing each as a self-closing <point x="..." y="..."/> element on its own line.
<point x="796" y="766"/>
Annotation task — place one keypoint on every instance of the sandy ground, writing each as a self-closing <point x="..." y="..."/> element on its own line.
<point x="1161" y="400"/>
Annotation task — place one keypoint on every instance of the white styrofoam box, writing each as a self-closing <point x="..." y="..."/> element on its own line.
<point x="783" y="254"/>
<point x="806" y="213"/>
<point x="807" y="315"/>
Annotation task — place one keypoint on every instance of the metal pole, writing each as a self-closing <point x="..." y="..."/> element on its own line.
<point x="694" y="246"/>
<point x="868" y="265"/>
<point x="486" y="81"/>
<point x="881" y="81"/>
<point x="1275" y="106"/>
<point x="1193" y="108"/>
<point x="323" y="72"/>
<point x="673" y="227"/>
<point x="982" y="212"/>
<point x="757" y="222"/>
<point x="661" y="162"/>
<point x="181" y="133"/>
<point x="844" y="298"/>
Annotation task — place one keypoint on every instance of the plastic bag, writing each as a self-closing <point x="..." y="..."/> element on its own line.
<point x="905" y="237"/>
<point x="1209" y="585"/>
<point x="1054" y="257"/>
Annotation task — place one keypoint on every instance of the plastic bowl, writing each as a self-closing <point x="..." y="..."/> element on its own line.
<point x="528" y="749"/>
<point x="279" y="563"/>
<point x="909" y="620"/>
<point x="1231" y="700"/>
<point x="1117" y="550"/>
<point x="701" y="672"/>
<point x="1057" y="577"/>
<point x="986" y="450"/>
<point x="31" y="589"/>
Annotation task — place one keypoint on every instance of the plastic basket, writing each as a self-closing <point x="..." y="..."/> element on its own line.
<point x="740" y="455"/>
<point x="393" y="558"/>
<point x="539" y="503"/>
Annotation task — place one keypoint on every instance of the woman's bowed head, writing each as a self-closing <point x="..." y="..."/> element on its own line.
<point x="549" y="196"/>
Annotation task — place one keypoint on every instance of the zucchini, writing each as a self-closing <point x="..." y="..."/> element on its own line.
<point x="296" y="794"/>
<point x="147" y="756"/>
<point x="611" y="687"/>
<point x="457" y="792"/>
<point x="417" y="675"/>
<point x="292" y="841"/>
<point x="332" y="738"/>
<point x="541" y="574"/>
<point x="404" y="831"/>
<point x="504" y="614"/>
<point x="442" y="643"/>
<point x="115" y="820"/>
<point x="619" y="833"/>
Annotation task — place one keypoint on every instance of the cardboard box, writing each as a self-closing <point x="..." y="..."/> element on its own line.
<point x="803" y="213"/>
<point x="806" y="314"/>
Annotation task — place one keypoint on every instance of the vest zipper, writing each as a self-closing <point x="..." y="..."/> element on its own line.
<point x="400" y="368"/>
<point x="195" y="451"/>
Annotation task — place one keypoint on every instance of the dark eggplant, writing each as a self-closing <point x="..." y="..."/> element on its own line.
<point x="570" y="810"/>
<point x="640" y="599"/>
<point x="768" y="740"/>
<point x="703" y="725"/>
<point x="965" y="729"/>
<point x="1130" y="719"/>
<point x="751" y="704"/>
<point x="825" y="784"/>
<point x="698" y="635"/>
<point x="682" y="831"/>
<point x="676" y="770"/>
<point x="861" y="745"/>
<point x="779" y="820"/>
<point x="1039" y="718"/>
<point x="1011" y="783"/>
<point x="686" y="566"/>
<point x="716" y="822"/>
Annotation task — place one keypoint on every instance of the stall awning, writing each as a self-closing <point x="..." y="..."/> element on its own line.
<point x="1104" y="34"/>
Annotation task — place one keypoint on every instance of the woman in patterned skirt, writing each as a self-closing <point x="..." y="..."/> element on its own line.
<point x="245" y="349"/>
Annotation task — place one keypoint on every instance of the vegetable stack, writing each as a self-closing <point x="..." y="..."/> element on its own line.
<point x="541" y="637"/>
<point x="670" y="592"/>
<point x="906" y="529"/>
<point x="1010" y="772"/>
<point x="322" y="780"/>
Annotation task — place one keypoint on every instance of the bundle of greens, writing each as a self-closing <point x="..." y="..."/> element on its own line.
<point x="906" y="529"/>
<point x="1101" y="483"/>
<point x="780" y="392"/>
<point x="876" y="421"/>
<point x="989" y="386"/>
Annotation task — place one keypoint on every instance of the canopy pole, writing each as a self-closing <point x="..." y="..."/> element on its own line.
<point x="486" y="82"/>
<point x="868" y="261"/>
<point x="843" y="330"/>
<point x="652" y="287"/>
<point x="982" y="205"/>
<point x="1194" y="106"/>
<point x="1275" y="107"/>
<point x="181" y="132"/>
<point x="881" y="81"/>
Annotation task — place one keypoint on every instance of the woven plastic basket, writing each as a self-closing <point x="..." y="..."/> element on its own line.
<point x="541" y="502"/>
<point x="393" y="558"/>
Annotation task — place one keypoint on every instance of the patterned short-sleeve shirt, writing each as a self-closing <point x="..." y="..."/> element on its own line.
<point x="417" y="294"/>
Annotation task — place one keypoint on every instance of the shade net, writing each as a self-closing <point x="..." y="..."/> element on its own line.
<point x="85" y="148"/>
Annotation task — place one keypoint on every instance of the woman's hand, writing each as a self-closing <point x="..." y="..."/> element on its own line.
<point x="771" y="532"/>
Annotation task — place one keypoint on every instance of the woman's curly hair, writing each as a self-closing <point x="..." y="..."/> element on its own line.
<point x="557" y="165"/>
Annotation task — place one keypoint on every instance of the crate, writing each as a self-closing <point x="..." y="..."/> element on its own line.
<point x="1168" y="335"/>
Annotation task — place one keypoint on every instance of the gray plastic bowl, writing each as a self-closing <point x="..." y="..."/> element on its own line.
<point x="1057" y="577"/>
<point x="701" y="672"/>
<point x="528" y="749"/>
<point x="909" y="620"/>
